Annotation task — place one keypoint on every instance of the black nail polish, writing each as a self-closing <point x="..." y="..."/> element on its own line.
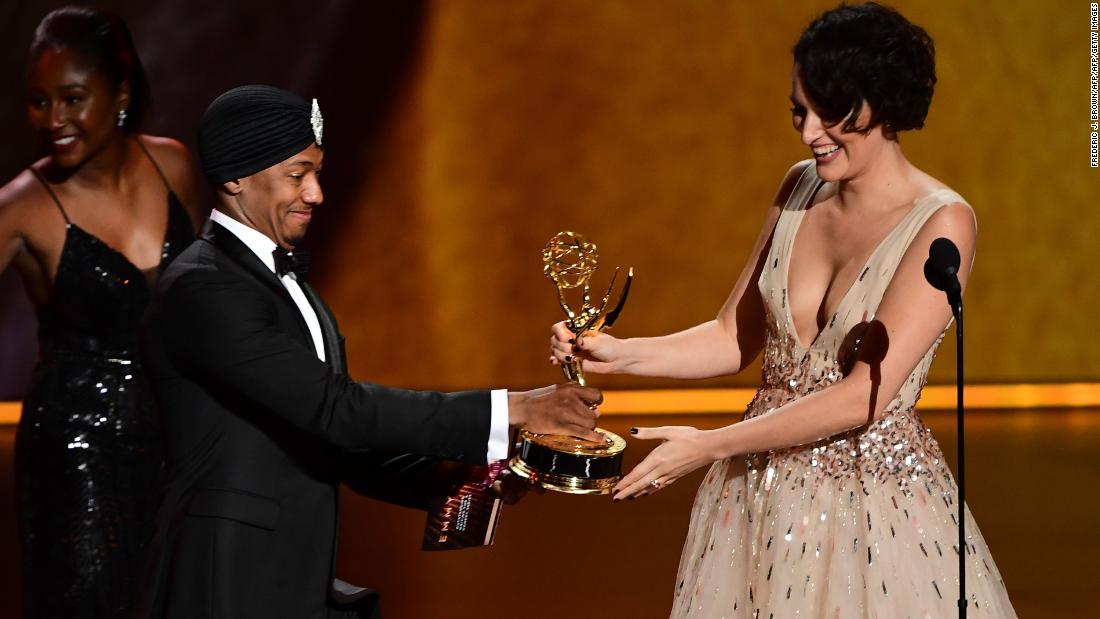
<point x="572" y="341"/>
<point x="569" y="358"/>
<point x="634" y="430"/>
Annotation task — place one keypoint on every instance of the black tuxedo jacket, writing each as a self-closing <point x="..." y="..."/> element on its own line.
<point x="258" y="435"/>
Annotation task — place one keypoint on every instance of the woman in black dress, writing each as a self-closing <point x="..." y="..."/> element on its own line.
<point x="89" y="227"/>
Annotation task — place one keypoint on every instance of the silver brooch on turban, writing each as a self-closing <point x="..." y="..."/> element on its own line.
<point x="317" y="121"/>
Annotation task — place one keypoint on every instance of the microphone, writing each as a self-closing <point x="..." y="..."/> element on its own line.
<point x="942" y="271"/>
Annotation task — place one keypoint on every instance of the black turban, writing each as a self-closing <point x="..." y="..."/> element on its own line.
<point x="251" y="128"/>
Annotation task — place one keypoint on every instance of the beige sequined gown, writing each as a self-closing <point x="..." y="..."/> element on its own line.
<point x="862" y="524"/>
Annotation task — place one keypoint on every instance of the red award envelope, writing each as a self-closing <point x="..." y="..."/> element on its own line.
<point x="463" y="511"/>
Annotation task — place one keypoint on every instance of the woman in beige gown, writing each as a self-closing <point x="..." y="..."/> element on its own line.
<point x="830" y="498"/>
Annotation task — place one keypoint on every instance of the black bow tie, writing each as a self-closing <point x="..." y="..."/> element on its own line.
<point x="296" y="262"/>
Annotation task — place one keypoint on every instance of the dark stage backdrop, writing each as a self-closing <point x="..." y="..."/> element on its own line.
<point x="355" y="57"/>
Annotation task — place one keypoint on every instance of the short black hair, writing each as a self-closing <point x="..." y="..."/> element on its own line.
<point x="867" y="52"/>
<point x="101" y="39"/>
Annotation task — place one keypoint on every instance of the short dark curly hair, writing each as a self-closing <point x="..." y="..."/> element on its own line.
<point x="867" y="52"/>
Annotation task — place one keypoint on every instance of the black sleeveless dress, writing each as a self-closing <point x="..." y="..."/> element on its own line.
<point x="88" y="448"/>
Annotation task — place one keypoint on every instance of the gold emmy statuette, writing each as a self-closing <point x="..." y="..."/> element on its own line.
<point x="565" y="463"/>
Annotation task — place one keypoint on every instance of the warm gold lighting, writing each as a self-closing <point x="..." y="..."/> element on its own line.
<point x="9" y="412"/>
<point x="934" y="397"/>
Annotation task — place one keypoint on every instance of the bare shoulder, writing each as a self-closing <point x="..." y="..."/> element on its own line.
<point x="160" y="145"/>
<point x="173" y="157"/>
<point x="178" y="165"/>
<point x="955" y="217"/>
<point x="955" y="213"/>
<point x="953" y="220"/>
<point x="21" y="195"/>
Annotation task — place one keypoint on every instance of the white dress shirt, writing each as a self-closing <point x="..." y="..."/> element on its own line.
<point x="263" y="247"/>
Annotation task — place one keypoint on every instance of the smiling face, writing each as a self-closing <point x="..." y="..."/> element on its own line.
<point x="73" y="107"/>
<point x="839" y="155"/>
<point x="279" y="200"/>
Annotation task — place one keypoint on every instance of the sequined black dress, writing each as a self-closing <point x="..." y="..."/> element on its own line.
<point x="88" y="456"/>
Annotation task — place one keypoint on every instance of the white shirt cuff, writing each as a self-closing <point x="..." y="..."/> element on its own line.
<point x="498" y="425"/>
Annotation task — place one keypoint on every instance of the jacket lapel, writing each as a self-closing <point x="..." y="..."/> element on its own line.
<point x="334" y="349"/>
<point x="236" y="250"/>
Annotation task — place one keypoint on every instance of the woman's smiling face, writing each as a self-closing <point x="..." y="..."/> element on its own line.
<point x="840" y="155"/>
<point x="73" y="107"/>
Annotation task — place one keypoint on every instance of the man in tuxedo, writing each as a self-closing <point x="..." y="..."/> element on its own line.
<point x="261" y="423"/>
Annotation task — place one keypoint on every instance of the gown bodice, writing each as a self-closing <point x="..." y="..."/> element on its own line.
<point x="801" y="369"/>
<point x="99" y="296"/>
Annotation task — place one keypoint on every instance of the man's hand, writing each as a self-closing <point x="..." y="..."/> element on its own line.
<point x="557" y="409"/>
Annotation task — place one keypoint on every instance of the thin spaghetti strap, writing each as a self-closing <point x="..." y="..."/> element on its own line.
<point x="155" y="164"/>
<point x="53" y="195"/>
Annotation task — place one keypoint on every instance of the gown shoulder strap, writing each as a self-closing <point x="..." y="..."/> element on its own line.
<point x="885" y="262"/>
<point x="156" y="165"/>
<point x="805" y="189"/>
<point x="789" y="218"/>
<point x="53" y="195"/>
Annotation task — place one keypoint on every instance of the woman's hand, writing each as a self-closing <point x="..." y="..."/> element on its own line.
<point x="684" y="449"/>
<point x="597" y="351"/>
